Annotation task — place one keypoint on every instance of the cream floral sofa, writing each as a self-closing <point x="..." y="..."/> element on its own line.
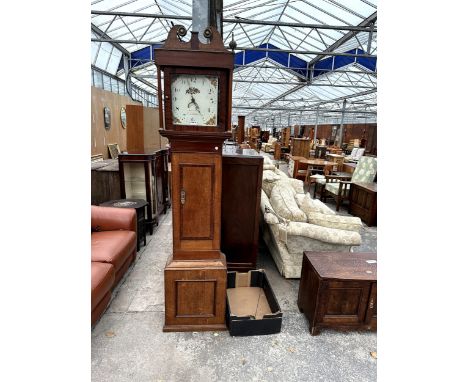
<point x="293" y="222"/>
<point x="268" y="147"/>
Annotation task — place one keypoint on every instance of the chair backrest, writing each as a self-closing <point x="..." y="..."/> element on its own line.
<point x="320" y="151"/>
<point x="354" y="152"/>
<point x="359" y="153"/>
<point x="365" y="170"/>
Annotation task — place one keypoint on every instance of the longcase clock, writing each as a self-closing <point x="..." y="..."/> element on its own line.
<point x="194" y="90"/>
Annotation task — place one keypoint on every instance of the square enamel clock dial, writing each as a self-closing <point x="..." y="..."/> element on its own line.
<point x="194" y="99"/>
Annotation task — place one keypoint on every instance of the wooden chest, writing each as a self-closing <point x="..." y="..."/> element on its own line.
<point x="339" y="290"/>
<point x="363" y="202"/>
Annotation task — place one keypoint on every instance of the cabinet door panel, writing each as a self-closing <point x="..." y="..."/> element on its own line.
<point x="345" y="303"/>
<point x="197" y="181"/>
<point x="196" y="201"/>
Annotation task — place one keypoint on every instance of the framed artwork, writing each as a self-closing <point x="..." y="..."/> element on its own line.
<point x="107" y="118"/>
<point x="123" y="117"/>
<point x="114" y="150"/>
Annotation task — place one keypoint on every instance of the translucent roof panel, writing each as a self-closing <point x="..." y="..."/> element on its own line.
<point x="292" y="35"/>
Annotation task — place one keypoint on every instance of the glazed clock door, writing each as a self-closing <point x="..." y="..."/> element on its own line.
<point x="194" y="99"/>
<point x="197" y="205"/>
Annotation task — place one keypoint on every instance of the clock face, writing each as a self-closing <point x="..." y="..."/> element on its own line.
<point x="194" y="99"/>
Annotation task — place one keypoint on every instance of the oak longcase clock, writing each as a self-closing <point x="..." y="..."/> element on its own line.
<point x="194" y="92"/>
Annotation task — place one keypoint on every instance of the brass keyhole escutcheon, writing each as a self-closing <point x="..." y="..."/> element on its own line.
<point x="182" y="197"/>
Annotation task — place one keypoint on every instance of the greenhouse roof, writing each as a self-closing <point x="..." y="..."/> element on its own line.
<point x="296" y="61"/>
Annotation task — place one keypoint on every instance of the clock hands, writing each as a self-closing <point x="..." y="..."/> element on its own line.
<point x="193" y="102"/>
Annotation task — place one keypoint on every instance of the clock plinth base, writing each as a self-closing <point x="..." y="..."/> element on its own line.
<point x="195" y="295"/>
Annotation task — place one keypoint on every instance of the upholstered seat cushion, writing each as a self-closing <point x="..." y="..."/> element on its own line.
<point x="348" y="223"/>
<point x="284" y="204"/>
<point x="309" y="205"/>
<point x="102" y="279"/>
<point x="333" y="187"/>
<point x="112" y="247"/>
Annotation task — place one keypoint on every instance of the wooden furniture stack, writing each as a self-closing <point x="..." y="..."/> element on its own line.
<point x="195" y="277"/>
<point x="240" y="133"/>
<point x="240" y="208"/>
<point x="254" y="137"/>
<point x="285" y="136"/>
<point x="338" y="159"/>
<point x="301" y="147"/>
<point x="297" y="130"/>
<point x="339" y="290"/>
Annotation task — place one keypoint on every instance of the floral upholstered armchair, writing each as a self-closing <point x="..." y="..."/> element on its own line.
<point x="337" y="186"/>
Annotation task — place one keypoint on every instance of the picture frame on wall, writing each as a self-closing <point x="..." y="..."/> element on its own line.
<point x="114" y="150"/>
<point x="123" y="117"/>
<point x="107" y="118"/>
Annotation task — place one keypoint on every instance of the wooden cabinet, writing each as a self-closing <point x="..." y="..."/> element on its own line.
<point x="339" y="290"/>
<point x="105" y="181"/>
<point x="301" y="147"/>
<point x="363" y="202"/>
<point x="240" y="207"/>
<point x="144" y="176"/>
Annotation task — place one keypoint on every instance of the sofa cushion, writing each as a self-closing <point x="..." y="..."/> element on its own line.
<point x="348" y="223"/>
<point x="102" y="279"/>
<point x="296" y="184"/>
<point x="333" y="187"/>
<point x="264" y="205"/>
<point x="328" y="235"/>
<point x="112" y="247"/>
<point x="282" y="174"/>
<point x="309" y="205"/>
<point x="284" y="204"/>
<point x="270" y="176"/>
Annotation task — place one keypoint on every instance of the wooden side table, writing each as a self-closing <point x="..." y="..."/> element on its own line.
<point x="363" y="202"/>
<point x="139" y="205"/>
<point x="339" y="290"/>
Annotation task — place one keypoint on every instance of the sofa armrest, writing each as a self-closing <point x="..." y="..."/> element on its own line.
<point x="325" y="234"/>
<point x="113" y="219"/>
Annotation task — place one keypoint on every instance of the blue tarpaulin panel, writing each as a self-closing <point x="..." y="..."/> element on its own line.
<point x="333" y="63"/>
<point x="142" y="56"/>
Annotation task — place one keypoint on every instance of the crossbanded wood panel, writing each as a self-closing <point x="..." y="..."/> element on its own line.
<point x="196" y="225"/>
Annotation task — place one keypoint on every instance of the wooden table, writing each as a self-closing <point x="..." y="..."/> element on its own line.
<point x="339" y="290"/>
<point x="321" y="163"/>
<point x="338" y="159"/>
<point x="363" y="202"/>
<point x="349" y="167"/>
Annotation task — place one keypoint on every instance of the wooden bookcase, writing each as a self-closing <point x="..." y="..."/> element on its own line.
<point x="240" y="208"/>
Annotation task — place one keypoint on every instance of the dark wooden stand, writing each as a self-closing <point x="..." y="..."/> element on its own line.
<point x="139" y="205"/>
<point x="363" y="202"/>
<point x="339" y="290"/>
<point x="240" y="207"/>
<point x="145" y="176"/>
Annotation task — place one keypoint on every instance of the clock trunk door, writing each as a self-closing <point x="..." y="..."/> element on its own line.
<point x="197" y="205"/>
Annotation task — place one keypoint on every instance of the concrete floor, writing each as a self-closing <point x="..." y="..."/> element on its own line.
<point x="128" y="343"/>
